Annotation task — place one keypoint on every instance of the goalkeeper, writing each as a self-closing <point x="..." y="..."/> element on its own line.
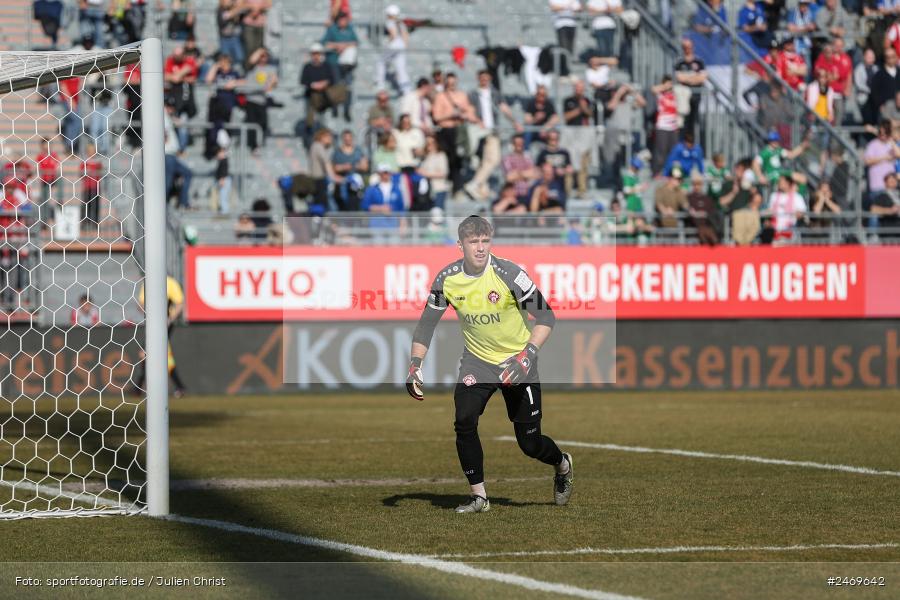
<point x="175" y="302"/>
<point x="492" y="298"/>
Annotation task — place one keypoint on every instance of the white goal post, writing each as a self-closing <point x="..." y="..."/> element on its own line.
<point x="83" y="365"/>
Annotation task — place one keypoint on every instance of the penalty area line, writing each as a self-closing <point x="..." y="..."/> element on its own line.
<point x="738" y="457"/>
<point x="428" y="562"/>
<point x="674" y="550"/>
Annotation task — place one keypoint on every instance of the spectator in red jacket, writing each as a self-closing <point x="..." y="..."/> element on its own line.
<point x="13" y="201"/>
<point x="789" y="65"/>
<point x="839" y="67"/>
<point x="180" y="74"/>
<point x="48" y="168"/>
<point x="665" y="134"/>
<point x="18" y="169"/>
<point x="13" y="241"/>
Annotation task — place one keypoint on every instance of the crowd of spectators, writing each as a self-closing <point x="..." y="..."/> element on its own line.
<point x="437" y="143"/>
<point x="840" y="59"/>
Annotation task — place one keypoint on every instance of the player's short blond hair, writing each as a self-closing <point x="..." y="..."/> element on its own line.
<point x="474" y="226"/>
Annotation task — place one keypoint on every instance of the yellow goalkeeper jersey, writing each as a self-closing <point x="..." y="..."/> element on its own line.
<point x="494" y="326"/>
<point x="174" y="294"/>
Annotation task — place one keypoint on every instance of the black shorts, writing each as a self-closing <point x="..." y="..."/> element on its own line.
<point x="477" y="382"/>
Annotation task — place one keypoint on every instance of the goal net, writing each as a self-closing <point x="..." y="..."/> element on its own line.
<point x="82" y="362"/>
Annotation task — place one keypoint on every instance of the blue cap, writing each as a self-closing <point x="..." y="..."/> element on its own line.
<point x="637" y="163"/>
<point x="774" y="136"/>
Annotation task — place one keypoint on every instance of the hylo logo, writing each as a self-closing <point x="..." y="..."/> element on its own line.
<point x="302" y="283"/>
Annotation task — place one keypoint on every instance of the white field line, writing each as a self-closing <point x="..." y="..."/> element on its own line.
<point x="739" y="457"/>
<point x="113" y="506"/>
<point x="312" y="442"/>
<point x="454" y="568"/>
<point x="673" y="550"/>
<point x="233" y="484"/>
<point x="50" y="490"/>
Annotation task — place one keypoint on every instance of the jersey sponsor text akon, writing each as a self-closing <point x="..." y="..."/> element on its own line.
<point x="494" y="325"/>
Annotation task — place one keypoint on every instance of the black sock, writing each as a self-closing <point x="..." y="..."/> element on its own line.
<point x="535" y="445"/>
<point x="176" y="379"/>
<point x="471" y="456"/>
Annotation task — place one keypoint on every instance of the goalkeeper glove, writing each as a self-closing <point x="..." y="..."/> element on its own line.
<point x="415" y="381"/>
<point x="516" y="368"/>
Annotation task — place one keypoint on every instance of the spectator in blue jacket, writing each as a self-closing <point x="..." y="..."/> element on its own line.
<point x="384" y="197"/>
<point x="687" y="154"/>
<point x="801" y="23"/>
<point x="753" y="28"/>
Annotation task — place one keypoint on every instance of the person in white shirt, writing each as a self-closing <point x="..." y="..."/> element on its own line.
<point x="435" y="167"/>
<point x="488" y="106"/>
<point x="786" y="205"/>
<point x="395" y="51"/>
<point x="86" y="314"/>
<point x="604" y="25"/>
<point x="598" y="72"/>
<point x="417" y="104"/>
<point x="410" y="144"/>
<point x="565" y="13"/>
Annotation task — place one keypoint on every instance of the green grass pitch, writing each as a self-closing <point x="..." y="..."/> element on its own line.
<point x="380" y="470"/>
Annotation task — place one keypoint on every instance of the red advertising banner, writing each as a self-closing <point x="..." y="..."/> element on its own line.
<point x="582" y="282"/>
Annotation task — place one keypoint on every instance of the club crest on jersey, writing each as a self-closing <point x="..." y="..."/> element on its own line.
<point x="493" y="297"/>
<point x="469" y="379"/>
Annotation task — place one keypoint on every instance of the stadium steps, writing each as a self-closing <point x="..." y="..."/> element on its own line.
<point x="19" y="31"/>
<point x="107" y="274"/>
<point x="212" y="229"/>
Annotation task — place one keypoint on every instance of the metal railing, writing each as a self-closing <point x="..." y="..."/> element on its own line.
<point x="583" y="227"/>
<point x="744" y="128"/>
<point x="241" y="172"/>
<point x="422" y="228"/>
<point x="174" y="246"/>
<point x="728" y="129"/>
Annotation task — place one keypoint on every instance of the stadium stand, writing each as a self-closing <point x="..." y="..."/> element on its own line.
<point x="738" y="54"/>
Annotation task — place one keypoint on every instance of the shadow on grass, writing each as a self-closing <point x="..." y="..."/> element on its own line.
<point x="453" y="500"/>
<point x="91" y="439"/>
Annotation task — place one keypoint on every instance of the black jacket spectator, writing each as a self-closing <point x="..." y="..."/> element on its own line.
<point x="885" y="83"/>
<point x="313" y="72"/>
<point x="319" y="79"/>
